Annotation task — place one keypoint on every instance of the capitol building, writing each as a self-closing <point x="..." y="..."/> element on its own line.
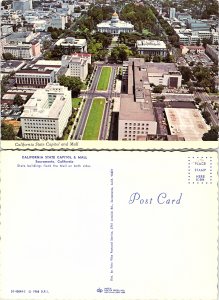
<point x="115" y="26"/>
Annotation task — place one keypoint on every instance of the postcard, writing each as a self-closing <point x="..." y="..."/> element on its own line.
<point x="109" y="225"/>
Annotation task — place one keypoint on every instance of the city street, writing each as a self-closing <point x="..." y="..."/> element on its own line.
<point x="89" y="95"/>
<point x="205" y="98"/>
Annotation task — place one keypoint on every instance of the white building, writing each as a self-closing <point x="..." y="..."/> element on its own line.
<point x="172" y="13"/>
<point x="115" y="26"/>
<point x="165" y="74"/>
<point x="215" y="37"/>
<point x="78" y="45"/>
<point x="22" y="5"/>
<point x="151" y="47"/>
<point x="46" y="113"/>
<point x="136" y="114"/>
<point x="58" y="22"/>
<point x="3" y="42"/>
<point x="22" y="51"/>
<point x="6" y="29"/>
<point x="77" y="64"/>
<point x="184" y="39"/>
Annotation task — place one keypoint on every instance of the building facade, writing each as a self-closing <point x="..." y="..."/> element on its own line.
<point x="20" y="51"/>
<point x="46" y="113"/>
<point x="34" y="78"/>
<point x="77" y="64"/>
<point x="23" y="51"/>
<point x="115" y="26"/>
<point x="165" y="74"/>
<point x="136" y="114"/>
<point x="172" y="13"/>
<point x="77" y="45"/>
<point x="22" y="5"/>
<point x="152" y="47"/>
<point x="58" y="22"/>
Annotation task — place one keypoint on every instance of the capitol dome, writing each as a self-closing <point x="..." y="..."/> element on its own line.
<point x="115" y="26"/>
<point x="115" y="18"/>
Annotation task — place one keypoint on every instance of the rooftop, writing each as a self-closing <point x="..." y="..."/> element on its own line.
<point x="150" y="44"/>
<point x="36" y="71"/>
<point x="131" y="110"/>
<point x="52" y="63"/>
<point x="161" y="67"/>
<point x="187" y="123"/>
<point x="38" y="105"/>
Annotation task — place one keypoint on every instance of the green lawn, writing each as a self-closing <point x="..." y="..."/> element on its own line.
<point x="94" y="120"/>
<point x="146" y="32"/>
<point x="76" y="102"/>
<point x="104" y="79"/>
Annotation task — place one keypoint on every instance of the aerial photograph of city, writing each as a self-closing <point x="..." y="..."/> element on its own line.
<point x="109" y="70"/>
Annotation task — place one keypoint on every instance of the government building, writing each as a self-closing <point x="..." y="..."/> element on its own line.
<point x="136" y="113"/>
<point x="46" y="113"/>
<point x="115" y="26"/>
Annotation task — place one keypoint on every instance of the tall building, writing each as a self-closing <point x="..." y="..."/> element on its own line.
<point x="58" y="22"/>
<point x="77" y="64"/>
<point x="115" y="26"/>
<point x="46" y="113"/>
<point x="136" y="114"/>
<point x="172" y="13"/>
<point x="22" y="5"/>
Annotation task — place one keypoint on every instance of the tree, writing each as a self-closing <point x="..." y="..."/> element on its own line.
<point x="158" y="89"/>
<point x="120" y="53"/>
<point x="186" y="73"/>
<point x="7" y="56"/>
<point x="73" y="83"/>
<point x="211" y="135"/>
<point x="77" y="10"/>
<point x="7" y="131"/>
<point x="198" y="100"/>
<point x="18" y="100"/>
<point x="207" y="116"/>
<point x="54" y="35"/>
<point x="47" y="44"/>
<point x="203" y="106"/>
<point x="198" y="43"/>
<point x="157" y="58"/>
<point x="206" y="42"/>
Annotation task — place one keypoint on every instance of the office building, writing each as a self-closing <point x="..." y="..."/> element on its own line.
<point x="6" y="29"/>
<point x="36" y="78"/>
<point x="115" y="26"/>
<point x="77" y="45"/>
<point x="23" y="51"/>
<point x="77" y="64"/>
<point x="172" y="13"/>
<point x="58" y="22"/>
<point x="20" y="37"/>
<point x="136" y="114"/>
<point x="152" y="47"/>
<point x="165" y="74"/>
<point x="46" y="113"/>
<point x="22" y="5"/>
